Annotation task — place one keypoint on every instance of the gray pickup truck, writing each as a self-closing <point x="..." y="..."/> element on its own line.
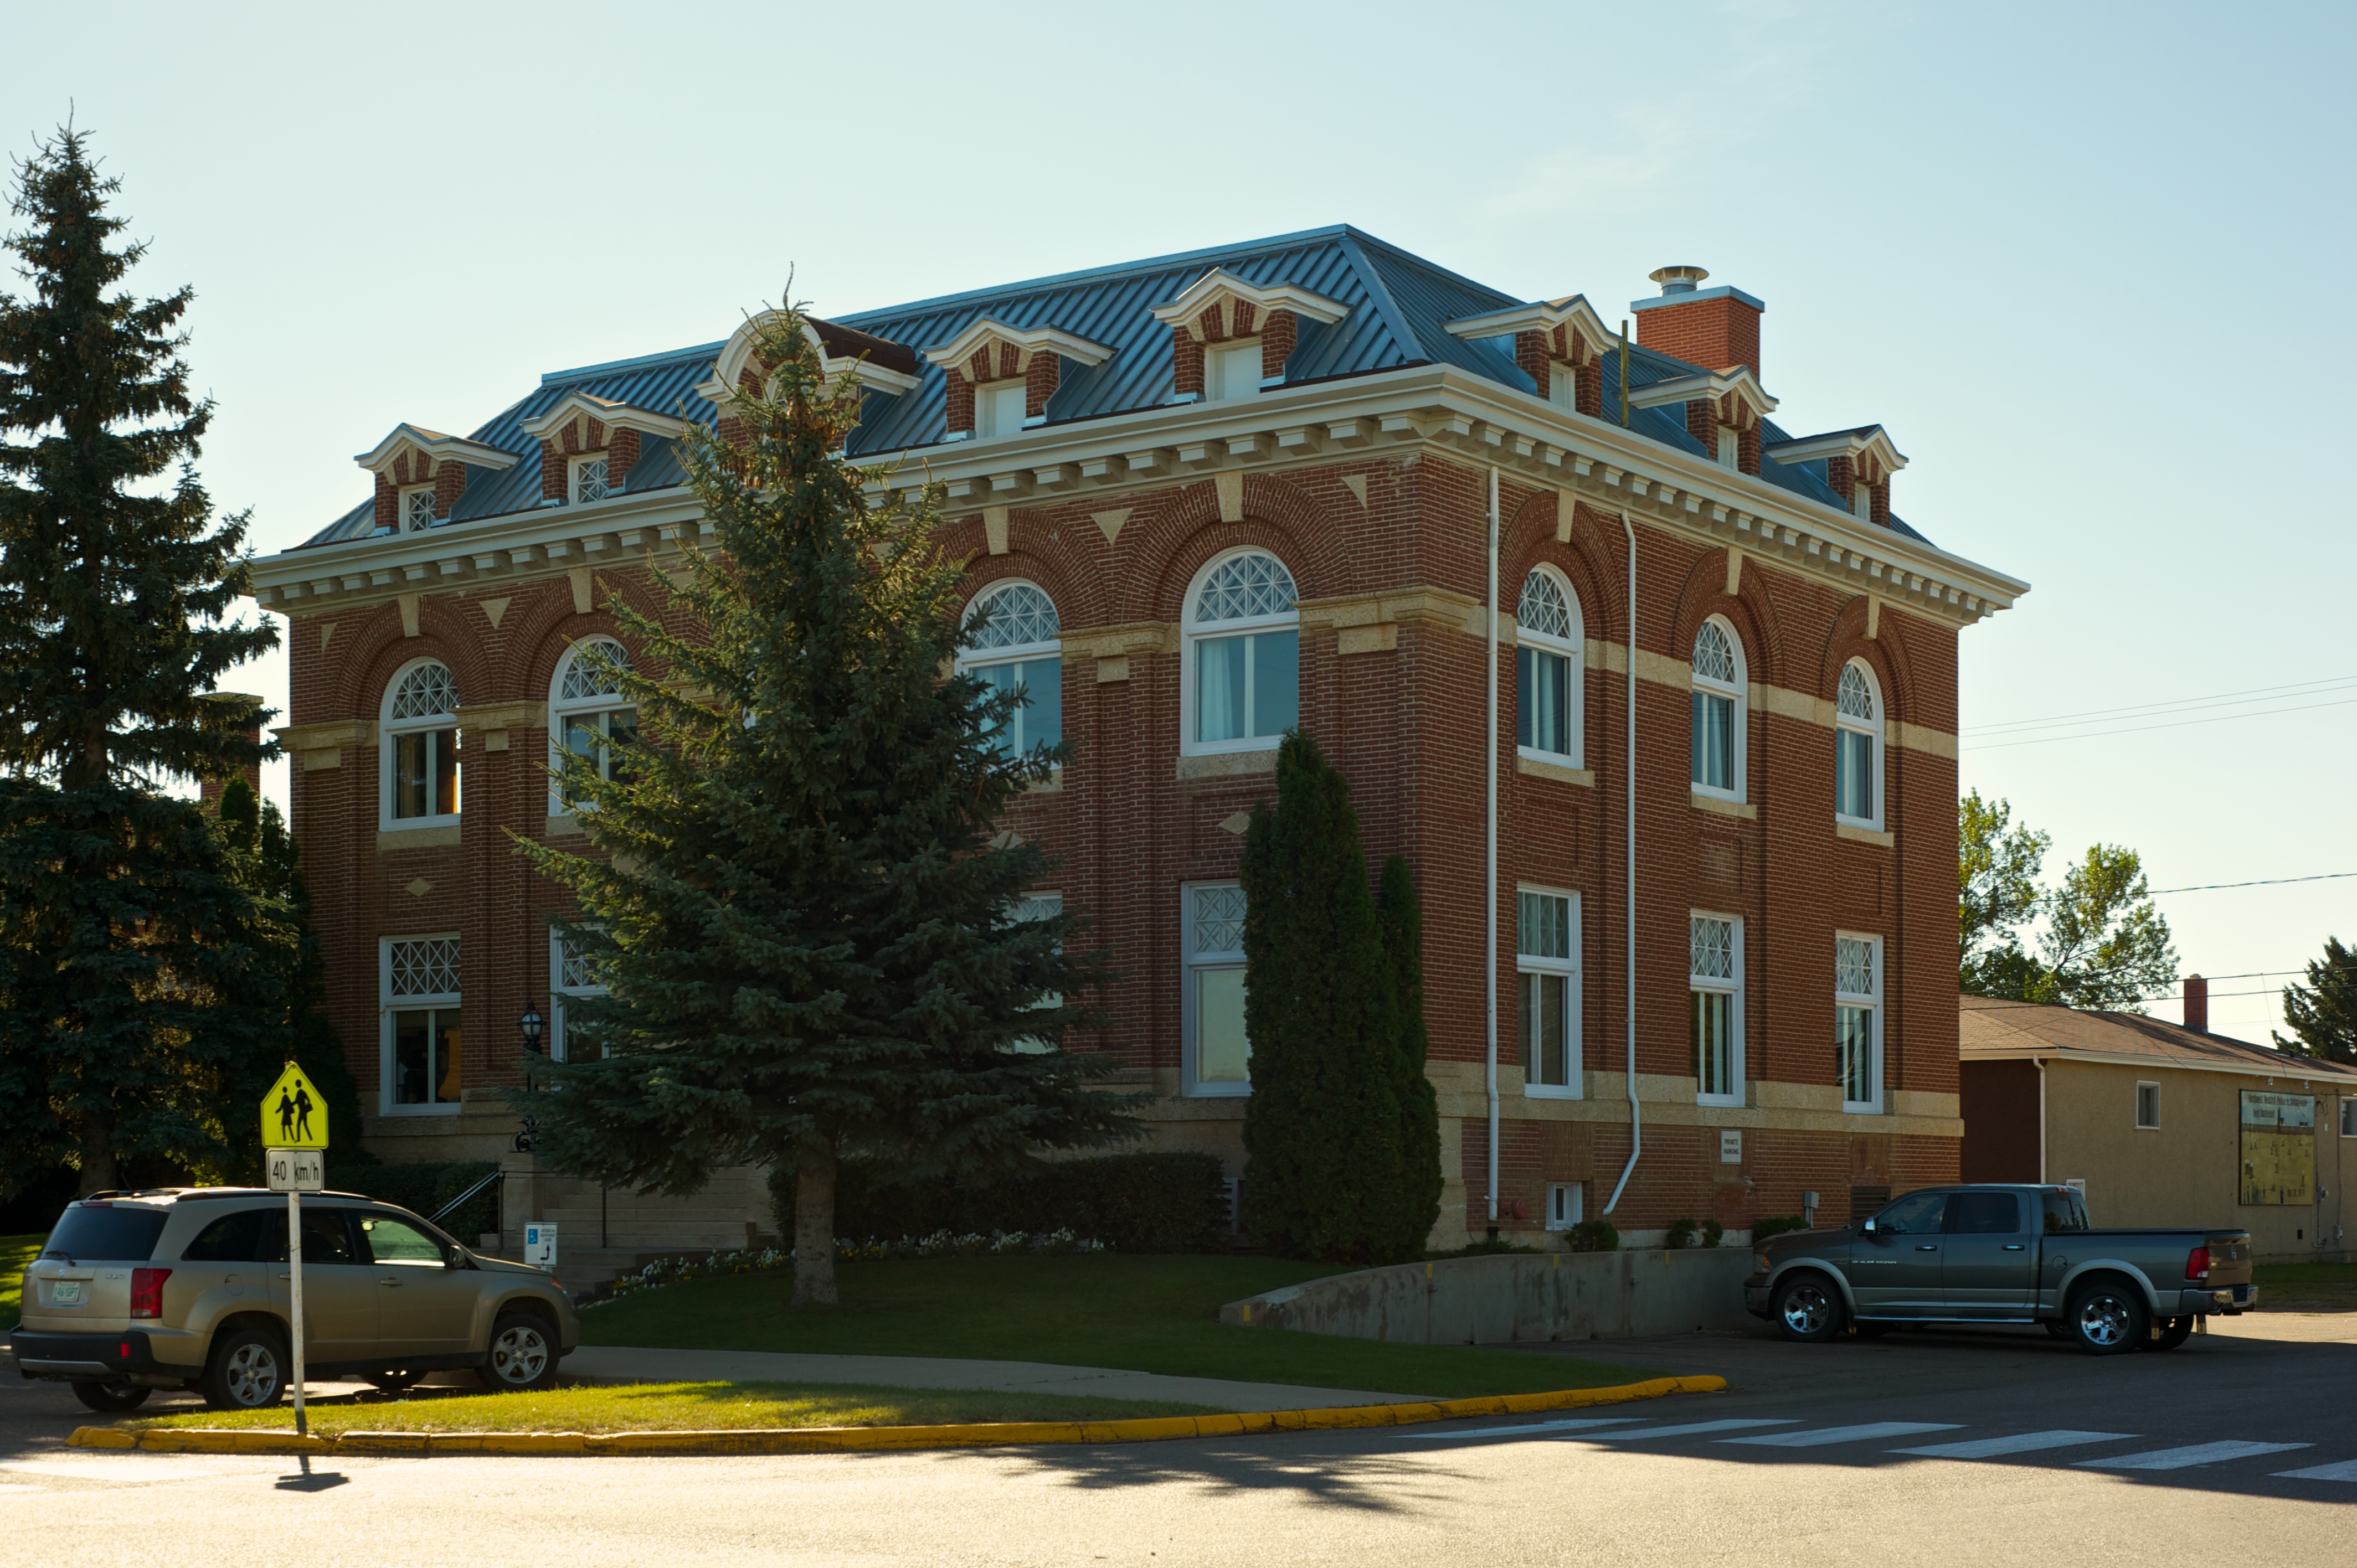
<point x="2001" y="1254"/>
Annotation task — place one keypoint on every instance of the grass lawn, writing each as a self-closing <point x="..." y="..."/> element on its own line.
<point x="2308" y="1287"/>
<point x="1141" y="1313"/>
<point x="674" y="1407"/>
<point x="17" y="1254"/>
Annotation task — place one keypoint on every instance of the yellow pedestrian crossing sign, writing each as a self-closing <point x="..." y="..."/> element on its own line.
<point x="294" y="1113"/>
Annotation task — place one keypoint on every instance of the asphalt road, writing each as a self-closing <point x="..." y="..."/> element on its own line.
<point x="1814" y="1456"/>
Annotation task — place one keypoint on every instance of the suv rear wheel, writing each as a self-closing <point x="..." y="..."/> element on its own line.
<point x="248" y="1370"/>
<point x="522" y="1354"/>
<point x="113" y="1397"/>
<point x="2106" y="1319"/>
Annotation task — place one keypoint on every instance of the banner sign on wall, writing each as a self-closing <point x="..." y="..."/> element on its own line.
<point x="2278" y="1147"/>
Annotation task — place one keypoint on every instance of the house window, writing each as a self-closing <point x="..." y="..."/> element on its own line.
<point x="1219" y="1053"/>
<point x="1861" y="503"/>
<point x="2348" y="1116"/>
<point x="1717" y="711"/>
<point x="1714" y="1007"/>
<point x="585" y="714"/>
<point x="999" y="409"/>
<point x="1547" y="984"/>
<point x="1547" y="670"/>
<point x="417" y="509"/>
<point x="1231" y="370"/>
<point x="589" y="479"/>
<point x="1730" y="447"/>
<point x="1242" y="665"/>
<point x="1857" y="748"/>
<point x="1563" y="386"/>
<point x="1012" y="647"/>
<point x="420" y="746"/>
<point x="1039" y="906"/>
<point x="1857" y="1021"/>
<point x="1565" y="1204"/>
<point x="419" y="1060"/>
<point x="2148" y="1105"/>
<point x="572" y="977"/>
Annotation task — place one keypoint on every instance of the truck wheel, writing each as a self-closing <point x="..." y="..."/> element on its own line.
<point x="247" y="1372"/>
<point x="113" y="1397"/>
<point x="2168" y="1332"/>
<point x="522" y="1355"/>
<point x="1808" y="1308"/>
<point x="2106" y="1319"/>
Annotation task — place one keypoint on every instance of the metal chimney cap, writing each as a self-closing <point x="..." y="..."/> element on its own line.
<point x="1678" y="280"/>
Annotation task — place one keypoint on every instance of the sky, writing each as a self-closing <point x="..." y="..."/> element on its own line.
<point x="2073" y="257"/>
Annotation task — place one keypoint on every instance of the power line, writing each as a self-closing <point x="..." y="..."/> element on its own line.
<point x="2296" y="687"/>
<point x="2265" y="882"/>
<point x="2180" y="724"/>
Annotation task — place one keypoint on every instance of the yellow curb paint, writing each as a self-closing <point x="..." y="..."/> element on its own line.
<point x="855" y="1439"/>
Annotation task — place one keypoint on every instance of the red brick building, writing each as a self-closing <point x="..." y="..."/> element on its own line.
<point x="1215" y="495"/>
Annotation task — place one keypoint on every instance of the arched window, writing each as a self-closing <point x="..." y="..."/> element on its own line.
<point x="586" y="712"/>
<point x="1719" y="684"/>
<point x="420" y="747"/>
<point x="1857" y="748"/>
<point x="1242" y="669"/>
<point x="1547" y="670"/>
<point x="1011" y="646"/>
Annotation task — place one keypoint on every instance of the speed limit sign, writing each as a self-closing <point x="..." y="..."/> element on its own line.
<point x="297" y="1170"/>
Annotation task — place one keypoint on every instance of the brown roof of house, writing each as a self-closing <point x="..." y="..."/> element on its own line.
<point x="1989" y="1028"/>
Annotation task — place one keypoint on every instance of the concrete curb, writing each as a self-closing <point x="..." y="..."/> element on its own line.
<point x="844" y="1439"/>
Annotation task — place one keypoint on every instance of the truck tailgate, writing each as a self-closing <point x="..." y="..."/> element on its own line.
<point x="2229" y="1258"/>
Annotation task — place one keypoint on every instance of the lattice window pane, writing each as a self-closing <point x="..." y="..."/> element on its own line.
<point x="576" y="970"/>
<point x="417" y="512"/>
<point x="1714" y="655"/>
<point x="1856" y="694"/>
<point x="426" y="966"/>
<point x="1219" y="920"/>
<point x="1542" y="926"/>
<point x="1713" y="943"/>
<point x="1853" y="966"/>
<point x="1543" y="608"/>
<point x="1039" y="906"/>
<point x="593" y="678"/>
<point x="1014" y="616"/>
<point x="427" y="691"/>
<point x="589" y="479"/>
<point x="1245" y="587"/>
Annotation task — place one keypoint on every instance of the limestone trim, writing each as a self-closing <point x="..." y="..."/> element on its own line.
<point x="1718" y="807"/>
<point x="491" y="722"/>
<point x="1882" y="836"/>
<point x="1534" y="769"/>
<point x="444" y="837"/>
<point x="321" y="744"/>
<point x="1227" y="763"/>
<point x="1121" y="641"/>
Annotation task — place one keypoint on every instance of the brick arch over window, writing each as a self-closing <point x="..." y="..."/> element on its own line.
<point x="549" y="649"/>
<point x="1885" y="653"/>
<point x="378" y="649"/>
<point x="1595" y="570"/>
<point x="548" y="614"/>
<point x="1185" y="531"/>
<point x="1052" y="574"/>
<point x="1751" y="612"/>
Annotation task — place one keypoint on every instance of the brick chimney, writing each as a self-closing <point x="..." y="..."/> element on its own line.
<point x="2197" y="1003"/>
<point x="1718" y="329"/>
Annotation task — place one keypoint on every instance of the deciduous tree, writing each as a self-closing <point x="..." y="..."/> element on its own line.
<point x="2100" y="942"/>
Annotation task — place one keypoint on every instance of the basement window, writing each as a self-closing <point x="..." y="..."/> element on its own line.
<point x="2148" y="1105"/>
<point x="1565" y="1204"/>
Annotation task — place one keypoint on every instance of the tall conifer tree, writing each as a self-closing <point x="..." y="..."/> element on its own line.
<point x="1323" y="1130"/>
<point x="135" y="972"/>
<point x="803" y="907"/>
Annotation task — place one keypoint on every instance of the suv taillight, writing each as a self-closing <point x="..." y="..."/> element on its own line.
<point x="147" y="1292"/>
<point x="2196" y="1263"/>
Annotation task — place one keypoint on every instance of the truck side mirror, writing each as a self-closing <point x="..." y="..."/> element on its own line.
<point x="1868" y="1226"/>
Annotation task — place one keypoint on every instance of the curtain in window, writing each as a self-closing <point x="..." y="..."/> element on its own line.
<point x="1854" y="1053"/>
<point x="1711" y="1028"/>
<point x="1854" y="774"/>
<point x="1714" y="741"/>
<point x="1543" y="701"/>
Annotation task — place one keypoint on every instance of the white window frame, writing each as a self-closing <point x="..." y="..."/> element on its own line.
<point x="562" y="707"/>
<point x="1870" y="1000"/>
<point x="1563" y="384"/>
<point x="1191" y="963"/>
<point x="389" y="732"/>
<point x="1861" y="505"/>
<point x="2141" y="1124"/>
<point x="561" y="996"/>
<point x="1875" y="731"/>
<point x="406" y="518"/>
<point x="2349" y="1115"/>
<point x="973" y="659"/>
<point x="1570" y="648"/>
<point x="990" y="400"/>
<point x="1730" y="985"/>
<point x="1568" y="968"/>
<point x="1730" y="448"/>
<point x="1739" y="721"/>
<point x="1566" y="1205"/>
<point x="1192" y="634"/>
<point x="1221" y="384"/>
<point x="578" y="477"/>
<point x="388" y="1004"/>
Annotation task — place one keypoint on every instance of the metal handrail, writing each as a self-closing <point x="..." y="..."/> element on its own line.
<point x="460" y="1201"/>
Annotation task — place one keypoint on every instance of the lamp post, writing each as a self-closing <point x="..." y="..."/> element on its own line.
<point x="533" y="1027"/>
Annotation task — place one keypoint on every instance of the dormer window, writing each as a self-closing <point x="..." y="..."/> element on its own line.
<point x="1730" y="447"/>
<point x="1231" y="370"/>
<point x="417" y="509"/>
<point x="1563" y="386"/>
<point x="1229" y="337"/>
<point x="1861" y="503"/>
<point x="999" y="409"/>
<point x="420" y="475"/>
<point x="589" y="479"/>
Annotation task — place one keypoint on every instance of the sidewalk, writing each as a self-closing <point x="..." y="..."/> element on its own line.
<point x="627" y="1364"/>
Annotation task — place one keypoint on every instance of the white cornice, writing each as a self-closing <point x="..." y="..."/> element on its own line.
<point x="1870" y="441"/>
<point x="1545" y="316"/>
<point x="613" y="416"/>
<point x="434" y="445"/>
<point x="1029" y="340"/>
<point x="1220" y="288"/>
<point x="737" y="353"/>
<point x="1711" y="385"/>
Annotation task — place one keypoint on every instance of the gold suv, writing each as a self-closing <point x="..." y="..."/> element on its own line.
<point x="188" y="1287"/>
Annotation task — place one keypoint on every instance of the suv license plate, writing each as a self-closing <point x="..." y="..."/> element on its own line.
<point x="65" y="1293"/>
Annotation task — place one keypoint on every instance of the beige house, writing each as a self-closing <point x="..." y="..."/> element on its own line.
<point x="2160" y="1124"/>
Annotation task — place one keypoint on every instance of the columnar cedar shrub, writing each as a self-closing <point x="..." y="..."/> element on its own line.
<point x="795" y="899"/>
<point x="1325" y="1131"/>
<point x="142" y="970"/>
<point x="1401" y="914"/>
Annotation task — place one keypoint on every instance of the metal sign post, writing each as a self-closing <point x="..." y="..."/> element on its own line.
<point x="295" y="1133"/>
<point x="294" y="1300"/>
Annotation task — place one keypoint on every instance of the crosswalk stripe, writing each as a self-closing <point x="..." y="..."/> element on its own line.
<point x="1532" y="1429"/>
<point x="1689" y="1429"/>
<point x="2187" y="1457"/>
<point x="2345" y="1471"/>
<point x="2020" y="1443"/>
<point x="1864" y="1432"/>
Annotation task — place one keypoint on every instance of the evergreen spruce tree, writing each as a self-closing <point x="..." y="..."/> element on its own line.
<point x="1323" y="1130"/>
<point x="1400" y="915"/>
<point x="2323" y="1012"/>
<point x="802" y="906"/>
<point x="136" y="971"/>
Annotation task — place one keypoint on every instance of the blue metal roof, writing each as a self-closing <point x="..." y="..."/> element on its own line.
<point x="1396" y="311"/>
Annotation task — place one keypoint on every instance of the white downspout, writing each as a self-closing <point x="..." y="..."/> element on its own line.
<point x="1491" y="748"/>
<point x="1636" y="1117"/>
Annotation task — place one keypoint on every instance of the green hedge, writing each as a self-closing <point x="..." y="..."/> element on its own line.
<point x="1135" y="1203"/>
<point x="423" y="1188"/>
